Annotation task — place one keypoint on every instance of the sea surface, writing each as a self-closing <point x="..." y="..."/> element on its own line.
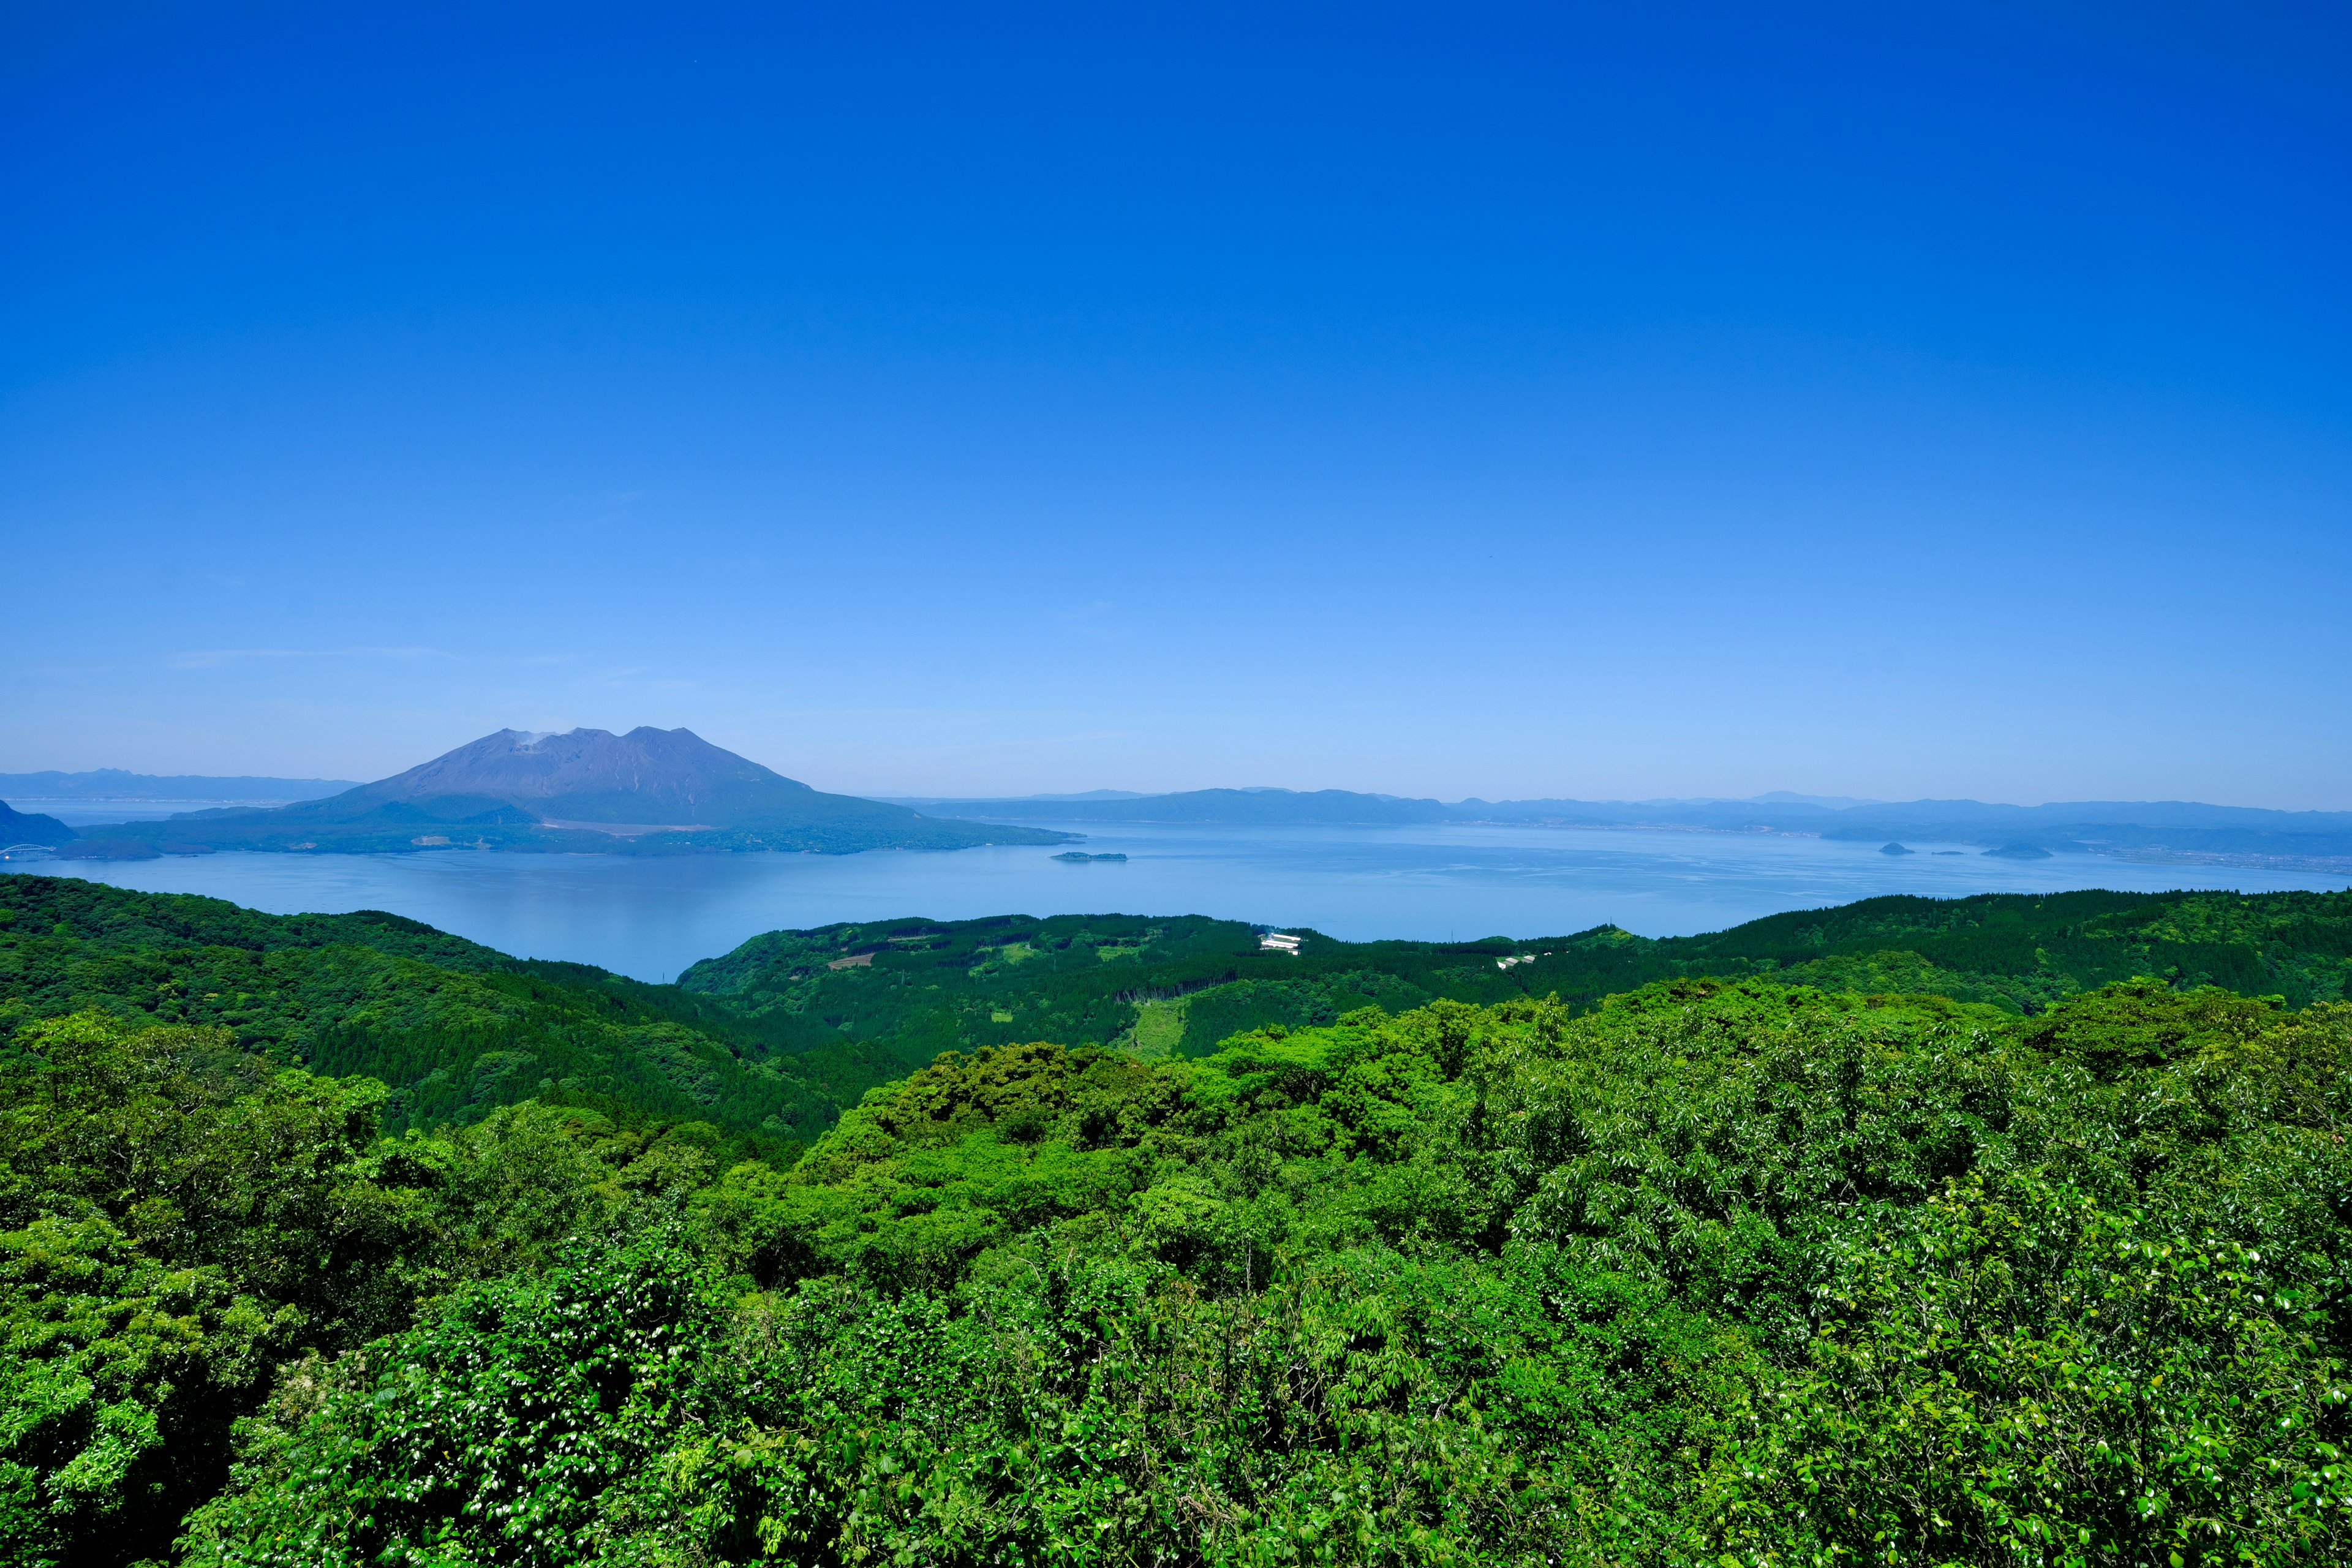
<point x="650" y="917"/>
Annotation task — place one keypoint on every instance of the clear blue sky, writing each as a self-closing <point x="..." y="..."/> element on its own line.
<point x="1941" y="400"/>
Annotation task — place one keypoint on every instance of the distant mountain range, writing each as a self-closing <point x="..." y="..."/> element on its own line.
<point x="2179" y="830"/>
<point x="669" y="791"/>
<point x="113" y="783"/>
<point x="589" y="791"/>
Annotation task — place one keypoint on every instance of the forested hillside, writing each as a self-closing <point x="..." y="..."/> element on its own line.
<point x="859" y="1004"/>
<point x="773" y="1040"/>
<point x="454" y="1028"/>
<point x="29" y="828"/>
<point x="1714" y="1273"/>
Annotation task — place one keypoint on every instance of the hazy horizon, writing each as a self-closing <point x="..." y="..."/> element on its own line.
<point x="1825" y="798"/>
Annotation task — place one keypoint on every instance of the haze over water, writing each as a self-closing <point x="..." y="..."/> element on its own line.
<point x="651" y="917"/>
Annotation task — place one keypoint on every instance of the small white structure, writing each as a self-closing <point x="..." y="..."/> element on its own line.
<point x="1278" y="941"/>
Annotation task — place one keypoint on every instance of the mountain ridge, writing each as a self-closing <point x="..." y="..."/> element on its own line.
<point x="118" y="783"/>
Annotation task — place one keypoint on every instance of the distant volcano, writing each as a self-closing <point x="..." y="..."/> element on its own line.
<point x="648" y="776"/>
<point x="649" y="790"/>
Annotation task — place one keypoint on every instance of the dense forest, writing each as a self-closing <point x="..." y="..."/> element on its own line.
<point x="340" y="1240"/>
<point x="1714" y="1273"/>
<point x="859" y="1004"/>
<point x="771" y="1041"/>
<point x="455" y="1029"/>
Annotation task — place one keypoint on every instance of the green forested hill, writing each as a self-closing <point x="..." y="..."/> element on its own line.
<point x="2023" y="953"/>
<point x="30" y="827"/>
<point x="774" y="1038"/>
<point x="2031" y="1265"/>
<point x="454" y="1028"/>
<point x="859" y="1004"/>
<point x="1714" y="1273"/>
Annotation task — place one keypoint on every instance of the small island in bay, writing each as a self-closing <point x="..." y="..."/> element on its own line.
<point x="1077" y="854"/>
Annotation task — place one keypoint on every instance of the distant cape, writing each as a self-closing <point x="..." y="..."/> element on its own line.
<point x="648" y="791"/>
<point x="30" y="829"/>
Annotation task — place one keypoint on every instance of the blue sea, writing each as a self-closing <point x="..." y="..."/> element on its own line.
<point x="652" y="917"/>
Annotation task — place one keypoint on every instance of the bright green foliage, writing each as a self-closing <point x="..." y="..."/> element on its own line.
<point x="515" y="1424"/>
<point x="1710" y="1270"/>
<point x="2024" y="952"/>
<point x="1714" y="1273"/>
<point x="772" y="1040"/>
<point x="457" y="1030"/>
<point x="1182" y="985"/>
<point x="173" y="1225"/>
<point x="180" y="1225"/>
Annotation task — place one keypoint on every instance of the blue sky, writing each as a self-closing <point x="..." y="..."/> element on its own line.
<point x="1505" y="401"/>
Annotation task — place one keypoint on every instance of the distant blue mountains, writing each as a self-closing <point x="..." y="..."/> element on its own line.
<point x="2167" y="829"/>
<point x="670" y="791"/>
<point x="115" y="784"/>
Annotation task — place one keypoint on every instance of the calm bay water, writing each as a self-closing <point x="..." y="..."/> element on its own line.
<point x="652" y="917"/>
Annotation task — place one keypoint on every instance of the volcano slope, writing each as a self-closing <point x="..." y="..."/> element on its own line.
<point x="586" y="792"/>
